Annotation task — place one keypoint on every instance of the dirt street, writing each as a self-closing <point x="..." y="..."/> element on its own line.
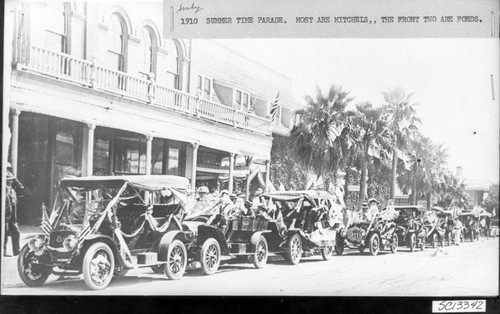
<point x="470" y="269"/>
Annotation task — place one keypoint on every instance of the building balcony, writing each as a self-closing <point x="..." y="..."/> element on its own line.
<point x="64" y="67"/>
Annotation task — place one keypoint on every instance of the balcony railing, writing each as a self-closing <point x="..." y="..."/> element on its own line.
<point x="86" y="73"/>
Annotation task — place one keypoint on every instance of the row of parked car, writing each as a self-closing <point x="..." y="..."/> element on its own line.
<point x="102" y="227"/>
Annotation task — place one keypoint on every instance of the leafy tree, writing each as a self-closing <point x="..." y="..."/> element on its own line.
<point x="428" y="171"/>
<point x="491" y="202"/>
<point x="374" y="139"/>
<point x="452" y="190"/>
<point x="321" y="141"/>
<point x="284" y="168"/>
<point x="402" y="123"/>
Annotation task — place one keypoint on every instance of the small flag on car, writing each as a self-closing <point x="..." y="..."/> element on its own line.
<point x="86" y="228"/>
<point x="46" y="225"/>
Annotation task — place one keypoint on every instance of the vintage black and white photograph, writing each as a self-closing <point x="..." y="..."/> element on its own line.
<point x="138" y="163"/>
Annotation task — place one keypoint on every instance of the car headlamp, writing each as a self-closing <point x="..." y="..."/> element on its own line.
<point x="70" y="243"/>
<point x="363" y="233"/>
<point x="36" y="244"/>
<point x="343" y="233"/>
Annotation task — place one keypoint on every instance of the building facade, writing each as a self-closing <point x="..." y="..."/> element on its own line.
<point x="96" y="89"/>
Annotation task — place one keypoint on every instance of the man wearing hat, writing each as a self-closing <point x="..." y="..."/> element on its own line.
<point x="11" y="226"/>
<point x="219" y="216"/>
<point x="202" y="193"/>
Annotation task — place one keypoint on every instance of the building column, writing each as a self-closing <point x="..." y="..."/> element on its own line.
<point x="14" y="141"/>
<point x="268" y="170"/>
<point x="88" y="151"/>
<point x="195" y="163"/>
<point x="149" y="150"/>
<point x="231" y="173"/>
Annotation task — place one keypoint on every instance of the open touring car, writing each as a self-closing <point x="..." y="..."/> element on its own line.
<point x="104" y="226"/>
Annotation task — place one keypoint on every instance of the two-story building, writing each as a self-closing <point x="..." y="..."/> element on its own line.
<point x="97" y="89"/>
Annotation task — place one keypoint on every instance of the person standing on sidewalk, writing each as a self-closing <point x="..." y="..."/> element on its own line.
<point x="11" y="227"/>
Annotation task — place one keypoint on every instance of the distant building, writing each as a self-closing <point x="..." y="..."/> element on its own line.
<point x="477" y="188"/>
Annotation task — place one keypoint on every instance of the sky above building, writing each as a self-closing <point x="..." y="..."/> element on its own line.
<point x="450" y="79"/>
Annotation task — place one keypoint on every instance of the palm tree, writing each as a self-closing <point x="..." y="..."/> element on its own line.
<point x="374" y="139"/>
<point x="426" y="176"/>
<point x="451" y="190"/>
<point x="402" y="122"/>
<point x="320" y="142"/>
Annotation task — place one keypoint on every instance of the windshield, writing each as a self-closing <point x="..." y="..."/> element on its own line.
<point x="74" y="203"/>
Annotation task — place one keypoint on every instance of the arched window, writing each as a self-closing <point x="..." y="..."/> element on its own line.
<point x="117" y="43"/>
<point x="148" y="52"/>
<point x="56" y="31"/>
<point x="173" y="65"/>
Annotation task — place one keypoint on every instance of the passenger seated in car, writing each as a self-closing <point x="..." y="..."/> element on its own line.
<point x="237" y="210"/>
<point x="311" y="218"/>
<point x="166" y="196"/>
<point x="304" y="213"/>
<point x="218" y="218"/>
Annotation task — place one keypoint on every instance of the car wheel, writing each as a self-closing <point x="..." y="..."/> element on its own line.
<point x="210" y="256"/>
<point x="374" y="242"/>
<point x="98" y="266"/>
<point x="435" y="240"/>
<point x="326" y="252"/>
<point x="33" y="275"/>
<point x="472" y="235"/>
<point x="294" y="251"/>
<point x="395" y="243"/>
<point x="259" y="257"/>
<point x="413" y="242"/>
<point x="176" y="260"/>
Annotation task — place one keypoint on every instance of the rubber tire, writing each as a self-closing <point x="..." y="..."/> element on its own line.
<point x="435" y="241"/>
<point x="413" y="242"/>
<point x="44" y="274"/>
<point x="260" y="263"/>
<point x="89" y="255"/>
<point x="395" y="240"/>
<point x="168" y="271"/>
<point x="374" y="239"/>
<point x="294" y="240"/>
<point x="326" y="252"/>
<point x="339" y="247"/>
<point x="472" y="234"/>
<point x="207" y="270"/>
<point x="423" y="243"/>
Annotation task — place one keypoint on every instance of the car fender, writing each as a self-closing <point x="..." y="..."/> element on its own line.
<point x="256" y="236"/>
<point x="37" y="235"/>
<point x="91" y="239"/>
<point x="207" y="231"/>
<point x="168" y="238"/>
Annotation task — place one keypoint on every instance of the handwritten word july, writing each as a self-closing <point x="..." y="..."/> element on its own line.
<point x="194" y="7"/>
